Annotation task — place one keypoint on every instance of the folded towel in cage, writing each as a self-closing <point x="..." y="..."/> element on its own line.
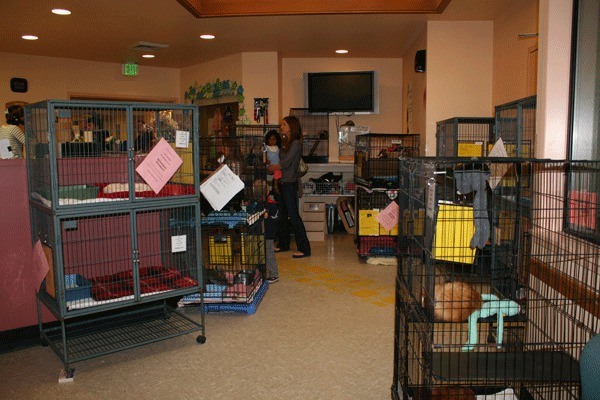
<point x="152" y="279"/>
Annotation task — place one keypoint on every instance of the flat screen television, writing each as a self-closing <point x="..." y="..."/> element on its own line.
<point x="355" y="92"/>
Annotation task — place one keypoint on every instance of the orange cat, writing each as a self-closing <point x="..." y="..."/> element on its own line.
<point x="455" y="301"/>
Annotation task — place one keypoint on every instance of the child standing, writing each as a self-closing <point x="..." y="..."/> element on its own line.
<point x="271" y="216"/>
<point x="271" y="155"/>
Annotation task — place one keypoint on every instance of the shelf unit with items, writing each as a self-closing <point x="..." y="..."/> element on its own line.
<point x="376" y="157"/>
<point x="464" y="136"/>
<point x="325" y="184"/>
<point x="515" y="125"/>
<point x="493" y="295"/>
<point x="119" y="245"/>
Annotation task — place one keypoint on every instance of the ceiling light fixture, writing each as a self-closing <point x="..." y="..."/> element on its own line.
<point x="207" y="37"/>
<point x="29" y="37"/>
<point x="148" y="56"/>
<point x="61" y="11"/>
<point x="341" y="51"/>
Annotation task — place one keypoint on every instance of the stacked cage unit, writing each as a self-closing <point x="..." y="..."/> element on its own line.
<point x="372" y="238"/>
<point x="315" y="135"/>
<point x="515" y="125"/>
<point x="118" y="243"/>
<point x="464" y="136"/>
<point x="376" y="157"/>
<point x="496" y="290"/>
<point x="376" y="160"/>
<point x="234" y="245"/>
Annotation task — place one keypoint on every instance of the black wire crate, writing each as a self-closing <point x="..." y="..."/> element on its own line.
<point x="464" y="136"/>
<point x="496" y="280"/>
<point x="244" y="156"/>
<point x="372" y="238"/>
<point x="515" y="125"/>
<point x="234" y="262"/>
<point x="376" y="157"/>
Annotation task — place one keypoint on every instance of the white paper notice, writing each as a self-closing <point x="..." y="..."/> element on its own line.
<point x="178" y="243"/>
<point x="5" y="150"/>
<point x="497" y="171"/>
<point x="221" y="186"/>
<point x="182" y="139"/>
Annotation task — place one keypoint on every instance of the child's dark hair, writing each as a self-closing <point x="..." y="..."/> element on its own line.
<point x="273" y="132"/>
<point x="14" y="115"/>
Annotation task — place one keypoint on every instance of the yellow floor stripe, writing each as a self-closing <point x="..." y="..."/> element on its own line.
<point x="340" y="282"/>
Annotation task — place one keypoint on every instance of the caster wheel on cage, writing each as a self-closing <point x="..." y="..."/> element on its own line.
<point x="44" y="342"/>
<point x="201" y="339"/>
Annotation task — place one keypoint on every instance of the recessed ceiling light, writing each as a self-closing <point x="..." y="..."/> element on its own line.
<point x="207" y="37"/>
<point x="61" y="11"/>
<point x="341" y="51"/>
<point x="29" y="37"/>
<point x="148" y="56"/>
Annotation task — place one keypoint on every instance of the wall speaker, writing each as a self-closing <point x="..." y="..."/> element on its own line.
<point x="420" y="61"/>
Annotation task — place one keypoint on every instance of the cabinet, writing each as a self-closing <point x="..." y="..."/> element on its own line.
<point x="119" y="234"/>
<point x="313" y="215"/>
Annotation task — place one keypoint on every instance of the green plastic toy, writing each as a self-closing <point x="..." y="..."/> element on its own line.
<point x="492" y="306"/>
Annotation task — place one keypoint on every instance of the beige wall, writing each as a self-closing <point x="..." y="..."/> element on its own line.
<point x="58" y="78"/>
<point x="389" y="119"/>
<point x="513" y="74"/>
<point x="464" y="76"/>
<point x="260" y="75"/>
<point x="459" y="73"/>
<point x="552" y="113"/>
<point x="226" y="68"/>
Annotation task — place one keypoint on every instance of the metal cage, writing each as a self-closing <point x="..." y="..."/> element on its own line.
<point x="244" y="156"/>
<point x="113" y="190"/>
<point x="497" y="281"/>
<point x="373" y="239"/>
<point x="376" y="157"/>
<point x="464" y="137"/>
<point x="515" y="125"/>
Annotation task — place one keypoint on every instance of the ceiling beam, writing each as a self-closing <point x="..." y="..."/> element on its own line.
<point x="231" y="8"/>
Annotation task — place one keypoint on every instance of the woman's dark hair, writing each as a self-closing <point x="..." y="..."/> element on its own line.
<point x="271" y="133"/>
<point x="14" y="115"/>
<point x="295" y="128"/>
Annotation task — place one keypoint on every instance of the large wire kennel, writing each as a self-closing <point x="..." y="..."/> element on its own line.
<point x="233" y="239"/>
<point x="515" y="125"/>
<point x="464" y="136"/>
<point x="376" y="157"/>
<point x="118" y="243"/>
<point x="497" y="284"/>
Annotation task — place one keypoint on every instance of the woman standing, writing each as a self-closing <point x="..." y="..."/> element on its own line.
<point x="289" y="159"/>
<point x="14" y="130"/>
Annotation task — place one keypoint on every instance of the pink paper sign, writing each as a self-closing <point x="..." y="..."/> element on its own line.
<point x="159" y="165"/>
<point x="40" y="265"/>
<point x="388" y="218"/>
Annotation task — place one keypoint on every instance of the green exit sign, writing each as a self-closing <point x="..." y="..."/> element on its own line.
<point x="130" y="69"/>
